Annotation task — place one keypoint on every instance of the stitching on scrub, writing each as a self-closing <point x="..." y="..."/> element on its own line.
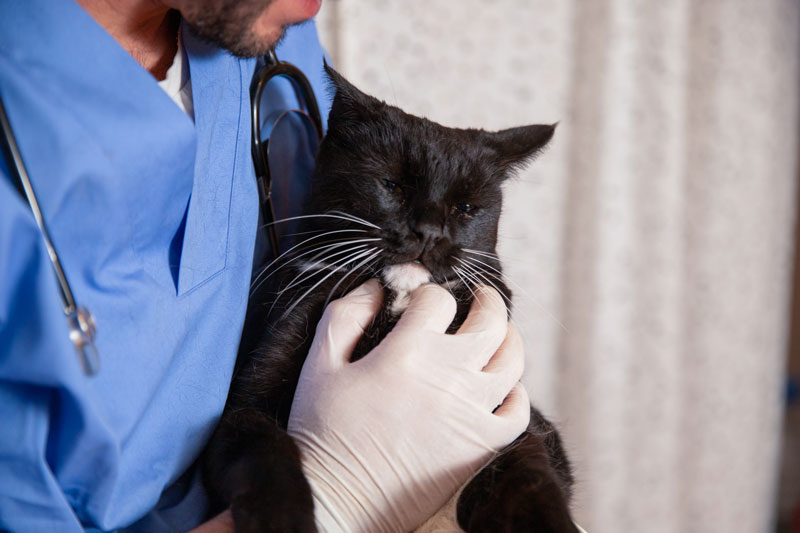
<point x="242" y="109"/>
<point x="202" y="283"/>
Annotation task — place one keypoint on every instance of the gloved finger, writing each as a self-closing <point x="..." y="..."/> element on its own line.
<point x="512" y="416"/>
<point x="486" y="325"/>
<point x="431" y="308"/>
<point x="343" y="324"/>
<point x="505" y="368"/>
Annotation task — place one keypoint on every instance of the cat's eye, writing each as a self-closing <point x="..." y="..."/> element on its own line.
<point x="393" y="186"/>
<point x="465" y="208"/>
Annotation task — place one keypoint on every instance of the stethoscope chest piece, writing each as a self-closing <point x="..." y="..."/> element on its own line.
<point x="82" y="332"/>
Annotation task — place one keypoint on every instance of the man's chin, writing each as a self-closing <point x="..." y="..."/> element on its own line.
<point x="270" y="40"/>
<point x="312" y="8"/>
<point x="247" y="28"/>
<point x="272" y="24"/>
<point x="244" y="44"/>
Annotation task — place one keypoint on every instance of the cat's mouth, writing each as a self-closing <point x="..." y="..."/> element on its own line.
<point x="405" y="277"/>
<point x="402" y="279"/>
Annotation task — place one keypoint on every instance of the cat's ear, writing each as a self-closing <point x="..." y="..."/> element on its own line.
<point x="514" y="147"/>
<point x="348" y="101"/>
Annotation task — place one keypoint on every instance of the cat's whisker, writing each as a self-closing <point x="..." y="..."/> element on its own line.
<point x="476" y="281"/>
<point x="459" y="273"/>
<point x="372" y="265"/>
<point x="336" y="265"/>
<point x="446" y="285"/>
<point x="484" y="278"/>
<point x="317" y="249"/>
<point x="499" y="274"/>
<point x="486" y="281"/>
<point x="314" y="268"/>
<point x="258" y="281"/>
<point x="479" y="252"/>
<point x="325" y="259"/>
<point x="333" y="290"/>
<point x="266" y="268"/>
<point x="318" y="231"/>
<point x="367" y="269"/>
<point x="311" y="248"/>
<point x="534" y="300"/>
<point x="472" y="280"/>
<point x="292" y="249"/>
<point x="479" y="265"/>
<point x="333" y="245"/>
<point x="370" y="254"/>
<point x="349" y="218"/>
<point x="353" y="281"/>
<point x="517" y="286"/>
<point x="353" y="218"/>
<point x="478" y="261"/>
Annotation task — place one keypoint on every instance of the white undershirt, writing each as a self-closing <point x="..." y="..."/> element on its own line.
<point x="178" y="84"/>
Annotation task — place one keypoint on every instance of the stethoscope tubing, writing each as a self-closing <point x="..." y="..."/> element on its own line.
<point x="271" y="68"/>
<point x="82" y="329"/>
<point x="22" y="179"/>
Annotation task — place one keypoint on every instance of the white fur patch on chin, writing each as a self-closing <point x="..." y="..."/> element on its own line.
<point x="402" y="279"/>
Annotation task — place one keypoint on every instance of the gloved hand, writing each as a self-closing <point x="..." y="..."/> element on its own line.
<point x="387" y="440"/>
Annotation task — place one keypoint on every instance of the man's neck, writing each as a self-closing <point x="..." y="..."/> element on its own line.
<point x="147" y="29"/>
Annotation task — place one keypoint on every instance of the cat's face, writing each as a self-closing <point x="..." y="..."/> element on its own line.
<point x="429" y="192"/>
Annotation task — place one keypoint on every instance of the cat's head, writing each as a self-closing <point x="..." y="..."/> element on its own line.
<point x="427" y="193"/>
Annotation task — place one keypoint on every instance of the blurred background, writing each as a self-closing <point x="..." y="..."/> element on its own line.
<point x="651" y="248"/>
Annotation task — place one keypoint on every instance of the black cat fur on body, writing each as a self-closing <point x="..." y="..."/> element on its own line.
<point x="428" y="193"/>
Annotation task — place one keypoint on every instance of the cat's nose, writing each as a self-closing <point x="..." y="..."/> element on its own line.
<point x="428" y="234"/>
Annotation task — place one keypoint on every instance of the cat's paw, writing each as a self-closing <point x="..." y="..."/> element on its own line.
<point x="515" y="500"/>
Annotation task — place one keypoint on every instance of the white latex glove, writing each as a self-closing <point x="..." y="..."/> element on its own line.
<point x="387" y="440"/>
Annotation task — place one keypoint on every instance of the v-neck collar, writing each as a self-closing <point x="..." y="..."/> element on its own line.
<point x="175" y="176"/>
<point x="221" y="100"/>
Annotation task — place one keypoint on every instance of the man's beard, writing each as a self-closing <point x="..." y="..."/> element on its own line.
<point x="229" y="24"/>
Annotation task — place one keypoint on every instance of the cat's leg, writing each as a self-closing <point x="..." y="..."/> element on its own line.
<point x="251" y="463"/>
<point x="526" y="487"/>
<point x="255" y="468"/>
<point x="542" y="427"/>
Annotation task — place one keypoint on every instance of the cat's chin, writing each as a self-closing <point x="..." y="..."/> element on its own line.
<point x="402" y="280"/>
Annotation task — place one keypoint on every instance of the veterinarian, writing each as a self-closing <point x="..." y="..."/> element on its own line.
<point x="133" y="123"/>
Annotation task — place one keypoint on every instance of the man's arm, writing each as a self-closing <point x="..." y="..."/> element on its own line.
<point x="222" y="523"/>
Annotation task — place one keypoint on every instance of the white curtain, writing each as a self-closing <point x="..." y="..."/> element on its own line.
<point x="651" y="245"/>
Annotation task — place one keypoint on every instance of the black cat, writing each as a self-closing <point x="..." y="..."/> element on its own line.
<point x="391" y="189"/>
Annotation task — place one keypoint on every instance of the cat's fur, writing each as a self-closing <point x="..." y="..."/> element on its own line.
<point x="433" y="192"/>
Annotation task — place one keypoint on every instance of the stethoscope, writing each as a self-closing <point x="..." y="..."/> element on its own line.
<point x="81" y="323"/>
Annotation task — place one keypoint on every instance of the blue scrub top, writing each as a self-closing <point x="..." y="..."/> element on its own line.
<point x="155" y="218"/>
